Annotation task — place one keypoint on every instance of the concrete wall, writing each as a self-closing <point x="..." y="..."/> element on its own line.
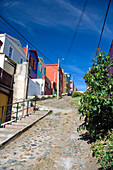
<point x="33" y="88"/>
<point x="21" y="80"/>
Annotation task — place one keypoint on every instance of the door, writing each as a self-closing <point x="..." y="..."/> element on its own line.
<point x="3" y="101"/>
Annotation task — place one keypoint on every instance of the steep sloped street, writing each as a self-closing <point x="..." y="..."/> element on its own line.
<point x="52" y="143"/>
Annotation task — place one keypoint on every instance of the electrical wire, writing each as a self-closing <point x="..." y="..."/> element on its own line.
<point x="104" y="23"/>
<point x="25" y="42"/>
<point x="26" y="39"/>
<point x="21" y="47"/>
<point x="76" y="30"/>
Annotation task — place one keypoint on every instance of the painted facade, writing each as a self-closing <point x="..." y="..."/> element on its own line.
<point x="64" y="82"/>
<point x="32" y="58"/>
<point x="52" y="73"/>
<point x="41" y="69"/>
<point x="33" y="63"/>
<point x="12" y="48"/>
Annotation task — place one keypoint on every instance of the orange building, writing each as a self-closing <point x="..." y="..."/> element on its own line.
<point x="52" y="74"/>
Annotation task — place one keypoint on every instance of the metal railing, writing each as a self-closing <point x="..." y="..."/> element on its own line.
<point x="18" y="110"/>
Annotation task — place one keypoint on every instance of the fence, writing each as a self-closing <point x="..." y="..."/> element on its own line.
<point x="15" y="111"/>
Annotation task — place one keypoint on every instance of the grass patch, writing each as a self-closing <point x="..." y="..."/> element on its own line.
<point x="75" y="101"/>
<point x="52" y="98"/>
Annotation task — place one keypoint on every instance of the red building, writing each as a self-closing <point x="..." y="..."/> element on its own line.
<point x="52" y="74"/>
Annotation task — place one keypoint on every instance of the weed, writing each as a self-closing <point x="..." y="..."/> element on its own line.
<point x="50" y="112"/>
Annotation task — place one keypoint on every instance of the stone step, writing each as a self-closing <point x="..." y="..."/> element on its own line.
<point x="16" y="128"/>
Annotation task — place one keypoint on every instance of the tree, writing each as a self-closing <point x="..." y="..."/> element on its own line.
<point x="97" y="103"/>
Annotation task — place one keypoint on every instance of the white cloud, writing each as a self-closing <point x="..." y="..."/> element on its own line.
<point x="81" y="87"/>
<point x="17" y="22"/>
<point x="74" y="69"/>
<point x="11" y="3"/>
<point x="59" y="14"/>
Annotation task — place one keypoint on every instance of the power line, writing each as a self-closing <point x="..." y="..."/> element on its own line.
<point x="25" y="39"/>
<point x="21" y="46"/>
<point x="76" y="30"/>
<point x="12" y="31"/>
<point x="104" y="23"/>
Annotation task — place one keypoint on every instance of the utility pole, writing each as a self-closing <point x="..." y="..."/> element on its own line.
<point x="58" y="81"/>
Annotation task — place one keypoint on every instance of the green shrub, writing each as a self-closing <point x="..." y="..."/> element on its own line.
<point x="76" y="94"/>
<point x="97" y="104"/>
<point x="103" y="150"/>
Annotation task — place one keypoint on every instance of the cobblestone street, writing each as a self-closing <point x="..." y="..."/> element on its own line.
<point x="52" y="143"/>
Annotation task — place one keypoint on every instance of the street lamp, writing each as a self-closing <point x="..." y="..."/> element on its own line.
<point x="58" y="77"/>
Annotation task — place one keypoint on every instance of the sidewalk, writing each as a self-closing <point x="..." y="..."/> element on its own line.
<point x="15" y="129"/>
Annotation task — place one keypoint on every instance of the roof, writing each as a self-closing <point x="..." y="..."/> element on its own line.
<point x="51" y="65"/>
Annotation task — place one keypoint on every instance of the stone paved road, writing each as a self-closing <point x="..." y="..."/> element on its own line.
<point x="53" y="143"/>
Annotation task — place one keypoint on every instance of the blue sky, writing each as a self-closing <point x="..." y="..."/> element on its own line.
<point x="50" y="25"/>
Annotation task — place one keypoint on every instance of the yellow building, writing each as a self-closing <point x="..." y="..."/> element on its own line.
<point x="65" y="82"/>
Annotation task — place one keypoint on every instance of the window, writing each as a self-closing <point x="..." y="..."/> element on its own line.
<point x="10" y="52"/>
<point x="34" y="64"/>
<point x="1" y="43"/>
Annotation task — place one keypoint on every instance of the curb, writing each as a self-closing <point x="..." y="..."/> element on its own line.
<point x="17" y="134"/>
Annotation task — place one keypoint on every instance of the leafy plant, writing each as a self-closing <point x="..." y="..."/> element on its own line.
<point x="76" y="94"/>
<point x="97" y="103"/>
<point x="50" y="112"/>
<point x="22" y="104"/>
<point x="103" y="150"/>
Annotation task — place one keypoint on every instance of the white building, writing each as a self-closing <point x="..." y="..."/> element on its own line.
<point x="12" y="48"/>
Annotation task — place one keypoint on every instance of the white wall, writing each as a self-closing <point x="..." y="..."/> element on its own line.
<point x="33" y="88"/>
<point x="2" y="38"/>
<point x="42" y="84"/>
<point x="2" y="59"/>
